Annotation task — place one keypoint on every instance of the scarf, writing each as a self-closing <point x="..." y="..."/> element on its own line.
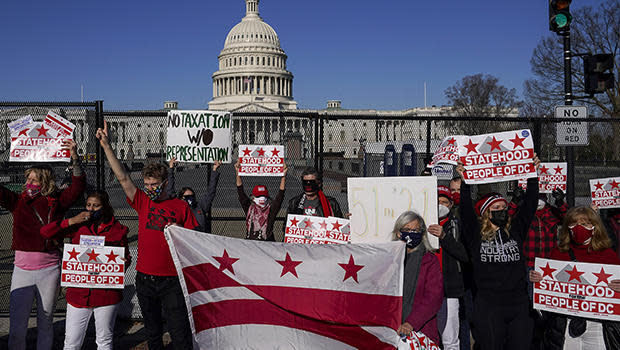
<point x="256" y="221"/>
<point x="325" y="206"/>
<point x="413" y="261"/>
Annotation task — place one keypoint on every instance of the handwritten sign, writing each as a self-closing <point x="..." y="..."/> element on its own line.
<point x="92" y="267"/>
<point x="199" y="136"/>
<point x="261" y="160"/>
<point x="316" y="230"/>
<point x="577" y="289"/>
<point x="498" y="157"/>
<point x="551" y="176"/>
<point x="606" y="192"/>
<point x="375" y="204"/>
<point x="42" y="141"/>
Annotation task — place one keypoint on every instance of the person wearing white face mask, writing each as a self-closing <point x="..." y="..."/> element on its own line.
<point x="260" y="210"/>
<point x="452" y="253"/>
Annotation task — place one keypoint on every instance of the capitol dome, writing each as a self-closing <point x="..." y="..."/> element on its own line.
<point x="252" y="67"/>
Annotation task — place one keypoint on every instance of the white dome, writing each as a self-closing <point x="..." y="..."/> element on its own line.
<point x="252" y="31"/>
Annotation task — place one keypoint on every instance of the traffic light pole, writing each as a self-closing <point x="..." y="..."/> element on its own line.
<point x="568" y="101"/>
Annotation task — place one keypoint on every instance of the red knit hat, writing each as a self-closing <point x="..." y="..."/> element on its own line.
<point x="489" y="199"/>
<point x="444" y="191"/>
<point x="260" y="190"/>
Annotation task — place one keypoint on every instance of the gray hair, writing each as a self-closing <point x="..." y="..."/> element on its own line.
<point x="407" y="217"/>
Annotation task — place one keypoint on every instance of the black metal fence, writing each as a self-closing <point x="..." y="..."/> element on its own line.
<point x="340" y="144"/>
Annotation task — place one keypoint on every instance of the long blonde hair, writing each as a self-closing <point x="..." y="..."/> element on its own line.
<point x="487" y="231"/>
<point x="600" y="239"/>
<point x="44" y="176"/>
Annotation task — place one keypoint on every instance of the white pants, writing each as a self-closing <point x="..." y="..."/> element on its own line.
<point x="77" y="323"/>
<point x="591" y="339"/>
<point x="448" y="323"/>
<point x="26" y="285"/>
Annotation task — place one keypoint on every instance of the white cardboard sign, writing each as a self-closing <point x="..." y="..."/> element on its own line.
<point x="605" y="192"/>
<point x="199" y="136"/>
<point x="261" y="160"/>
<point x="316" y="230"/>
<point x="93" y="267"/>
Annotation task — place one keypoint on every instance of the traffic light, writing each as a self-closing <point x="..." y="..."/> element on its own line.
<point x="559" y="15"/>
<point x="595" y="75"/>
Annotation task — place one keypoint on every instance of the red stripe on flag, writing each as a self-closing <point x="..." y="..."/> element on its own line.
<point x="64" y="126"/>
<point x="238" y="312"/>
<point x="351" y="308"/>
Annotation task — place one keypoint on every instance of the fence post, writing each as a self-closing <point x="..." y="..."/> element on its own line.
<point x="316" y="143"/>
<point x="537" y="136"/>
<point x="321" y="121"/>
<point x="100" y="169"/>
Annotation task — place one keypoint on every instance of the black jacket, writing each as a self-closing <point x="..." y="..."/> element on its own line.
<point x="295" y="208"/>
<point x="555" y="331"/>
<point x="453" y="255"/>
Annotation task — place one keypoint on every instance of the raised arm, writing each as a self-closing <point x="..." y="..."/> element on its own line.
<point x="244" y="200"/>
<point x="466" y="209"/>
<point x="207" y="199"/>
<point x="170" y="187"/>
<point x="119" y="171"/>
<point x="525" y="214"/>
<point x="78" y="179"/>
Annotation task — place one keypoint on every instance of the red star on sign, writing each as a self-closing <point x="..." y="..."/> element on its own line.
<point x="336" y="226"/>
<point x="111" y="256"/>
<point x="23" y="132"/>
<point x="614" y="184"/>
<point x="494" y="144"/>
<point x="246" y="152"/>
<point x="226" y="262"/>
<point x="261" y="152"/>
<point x="323" y="225"/>
<point x="517" y="141"/>
<point x="350" y="269"/>
<point x="288" y="265"/>
<point x="275" y="152"/>
<point x="471" y="147"/>
<point x="294" y="221"/>
<point x="558" y="169"/>
<point x="73" y="254"/>
<point x="308" y="224"/>
<point x="543" y="170"/>
<point x="598" y="186"/>
<point x="602" y="276"/>
<point x="92" y="256"/>
<point x="547" y="271"/>
<point x="452" y="141"/>
<point x="574" y="274"/>
<point x="42" y="131"/>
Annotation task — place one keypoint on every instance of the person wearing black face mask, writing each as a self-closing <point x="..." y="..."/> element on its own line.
<point x="501" y="304"/>
<point x="313" y="201"/>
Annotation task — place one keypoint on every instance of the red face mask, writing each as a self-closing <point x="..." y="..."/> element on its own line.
<point x="581" y="234"/>
<point x="456" y="197"/>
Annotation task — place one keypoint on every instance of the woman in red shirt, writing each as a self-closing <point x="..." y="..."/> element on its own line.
<point x="97" y="220"/>
<point x="582" y="238"/>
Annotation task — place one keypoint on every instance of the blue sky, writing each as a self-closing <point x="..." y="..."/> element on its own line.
<point x="134" y="54"/>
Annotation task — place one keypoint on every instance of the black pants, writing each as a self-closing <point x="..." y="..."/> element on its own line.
<point x="155" y="293"/>
<point x="499" y="327"/>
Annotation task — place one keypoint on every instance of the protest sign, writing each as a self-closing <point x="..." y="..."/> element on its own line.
<point x="199" y="136"/>
<point x="375" y="203"/>
<point x="497" y="157"/>
<point x="416" y="341"/>
<point x="261" y="160"/>
<point x="448" y="151"/>
<point x="605" y="192"/>
<point x="550" y="177"/>
<point x="577" y="289"/>
<point x="40" y="141"/>
<point x="93" y="266"/>
<point x="316" y="230"/>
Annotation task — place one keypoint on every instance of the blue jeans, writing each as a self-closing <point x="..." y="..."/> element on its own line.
<point x="157" y="294"/>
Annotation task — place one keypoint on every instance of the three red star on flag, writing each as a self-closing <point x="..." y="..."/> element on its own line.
<point x="351" y="269"/>
<point x="226" y="262"/>
<point x="288" y="265"/>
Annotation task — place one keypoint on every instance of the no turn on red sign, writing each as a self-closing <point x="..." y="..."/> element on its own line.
<point x="571" y="133"/>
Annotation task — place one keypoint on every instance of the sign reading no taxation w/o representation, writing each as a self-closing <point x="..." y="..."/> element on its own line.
<point x="571" y="133"/>
<point x="199" y="136"/>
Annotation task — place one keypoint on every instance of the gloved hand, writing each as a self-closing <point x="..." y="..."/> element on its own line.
<point x="558" y="196"/>
<point x="517" y="195"/>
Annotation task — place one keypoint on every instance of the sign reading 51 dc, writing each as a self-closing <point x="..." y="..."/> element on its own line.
<point x="571" y="133"/>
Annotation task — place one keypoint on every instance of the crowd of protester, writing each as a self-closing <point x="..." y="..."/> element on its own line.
<point x="477" y="285"/>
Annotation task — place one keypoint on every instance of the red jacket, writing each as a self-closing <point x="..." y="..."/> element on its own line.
<point x="115" y="235"/>
<point x="26" y="223"/>
<point x="427" y="298"/>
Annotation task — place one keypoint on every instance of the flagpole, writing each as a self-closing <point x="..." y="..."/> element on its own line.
<point x="424" y="95"/>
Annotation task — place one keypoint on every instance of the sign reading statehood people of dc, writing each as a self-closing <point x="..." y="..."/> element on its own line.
<point x="93" y="266"/>
<point x="551" y="176"/>
<point x="261" y="160"/>
<point x="577" y="289"/>
<point x="199" y="136"/>
<point x="316" y="230"/>
<point x="605" y="192"/>
<point x="40" y="141"/>
<point x="498" y="157"/>
<point x="448" y="151"/>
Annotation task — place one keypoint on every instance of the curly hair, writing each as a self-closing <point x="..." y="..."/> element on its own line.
<point x="45" y="176"/>
<point x="155" y="170"/>
<point x="600" y="239"/>
<point x="487" y="231"/>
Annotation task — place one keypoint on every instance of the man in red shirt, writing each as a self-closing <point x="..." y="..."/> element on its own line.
<point x="157" y="283"/>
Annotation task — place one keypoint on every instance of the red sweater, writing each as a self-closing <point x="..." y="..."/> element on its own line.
<point x="583" y="254"/>
<point x="115" y="235"/>
<point x="26" y="224"/>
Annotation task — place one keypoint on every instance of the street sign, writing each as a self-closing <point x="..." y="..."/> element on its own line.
<point x="571" y="133"/>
